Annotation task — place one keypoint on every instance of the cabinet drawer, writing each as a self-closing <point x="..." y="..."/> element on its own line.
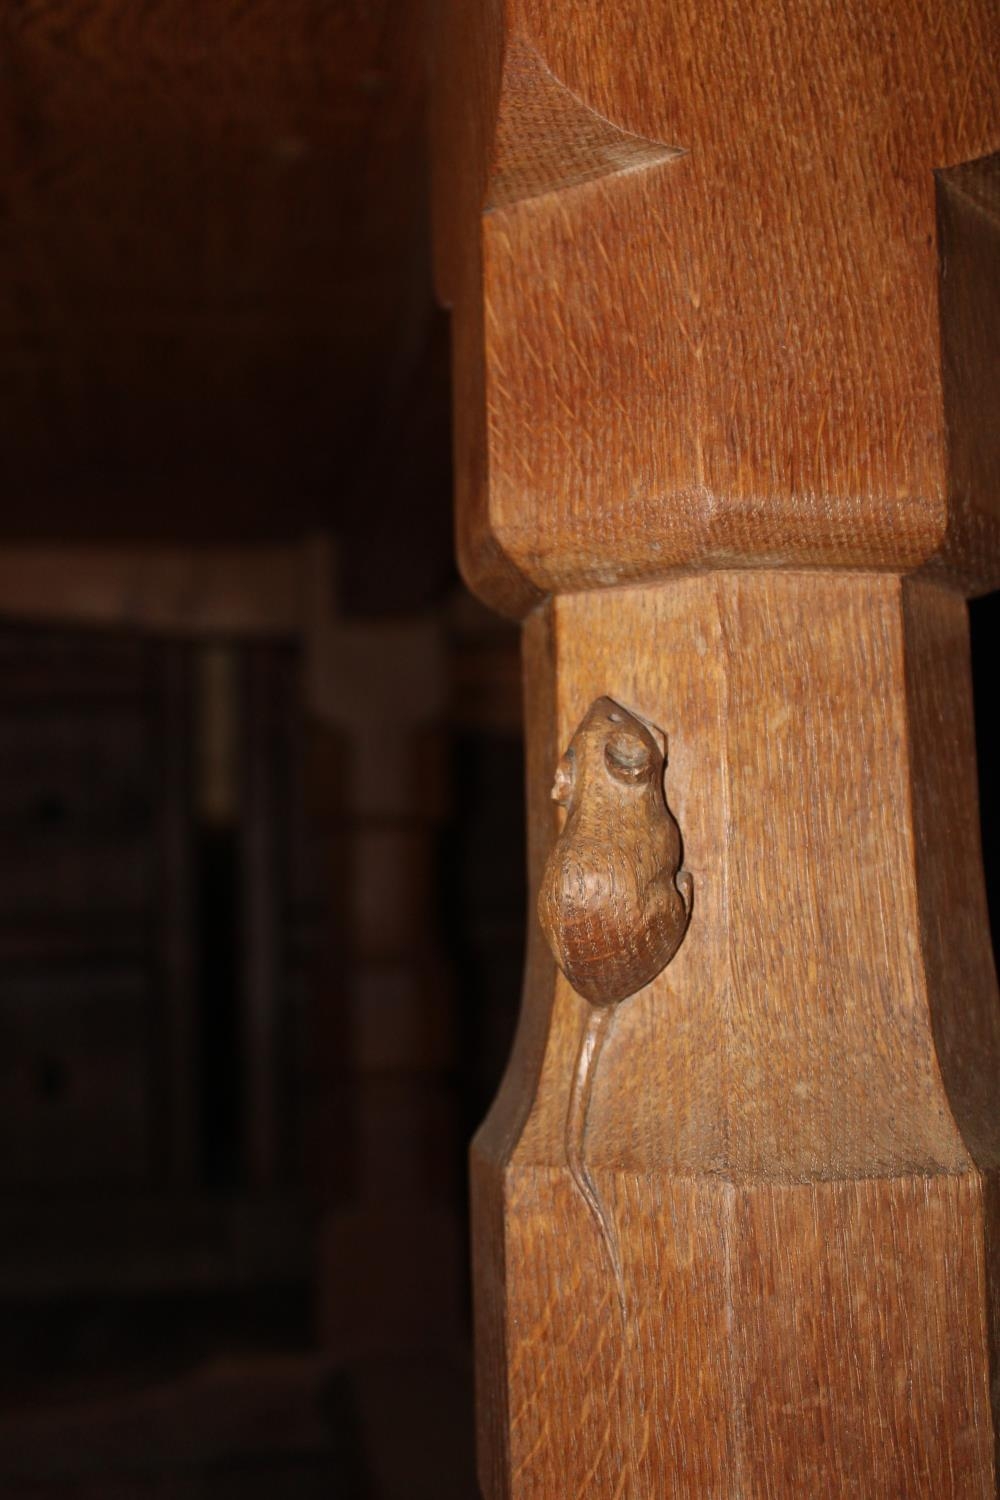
<point x="74" y="1078"/>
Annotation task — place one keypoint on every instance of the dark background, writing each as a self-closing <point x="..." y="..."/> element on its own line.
<point x="259" y="955"/>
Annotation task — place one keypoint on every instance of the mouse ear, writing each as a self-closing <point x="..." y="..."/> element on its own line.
<point x="628" y="756"/>
<point x="562" y="786"/>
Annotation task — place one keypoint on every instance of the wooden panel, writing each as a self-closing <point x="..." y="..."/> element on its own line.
<point x="38" y="667"/>
<point x="75" y="1078"/>
<point x="76" y="809"/>
<point x="96" y="881"/>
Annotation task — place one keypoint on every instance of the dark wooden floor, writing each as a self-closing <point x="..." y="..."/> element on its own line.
<point x="172" y="1401"/>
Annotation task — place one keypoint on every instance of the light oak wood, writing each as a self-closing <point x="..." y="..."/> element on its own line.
<point x="692" y="257"/>
<point x="793" y="1128"/>
<point x="725" y="360"/>
<point x="612" y="904"/>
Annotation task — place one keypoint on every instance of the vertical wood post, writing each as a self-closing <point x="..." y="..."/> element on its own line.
<point x="725" y="319"/>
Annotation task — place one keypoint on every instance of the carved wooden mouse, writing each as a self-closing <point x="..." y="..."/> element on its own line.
<point x="612" y="904"/>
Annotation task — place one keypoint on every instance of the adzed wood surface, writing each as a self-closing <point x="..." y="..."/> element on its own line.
<point x="612" y="904"/>
<point x="723" y="287"/>
<point x="692" y="252"/>
<point x="793" y="1129"/>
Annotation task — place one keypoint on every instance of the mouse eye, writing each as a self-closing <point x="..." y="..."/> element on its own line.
<point x="628" y="757"/>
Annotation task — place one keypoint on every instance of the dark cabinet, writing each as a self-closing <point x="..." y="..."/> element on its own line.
<point x="76" y="1070"/>
<point x="156" y="933"/>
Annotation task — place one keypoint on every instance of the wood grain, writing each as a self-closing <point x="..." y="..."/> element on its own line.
<point x="612" y="904"/>
<point x="724" y="351"/>
<point x="793" y="1126"/>
<point x="725" y="356"/>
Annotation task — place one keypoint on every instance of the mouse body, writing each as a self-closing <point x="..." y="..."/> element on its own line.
<point x="612" y="903"/>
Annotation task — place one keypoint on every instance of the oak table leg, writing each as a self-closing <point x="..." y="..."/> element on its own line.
<point x="724" y="347"/>
<point x="793" y="1127"/>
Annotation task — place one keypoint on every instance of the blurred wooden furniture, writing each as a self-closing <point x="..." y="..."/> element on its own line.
<point x="382" y="1072"/>
<point x="133" y="1157"/>
<point x="310" y="783"/>
<point x="725" y="354"/>
<point x="96" y="929"/>
<point x="213" y="279"/>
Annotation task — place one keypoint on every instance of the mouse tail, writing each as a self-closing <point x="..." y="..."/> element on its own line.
<point x="592" y="1039"/>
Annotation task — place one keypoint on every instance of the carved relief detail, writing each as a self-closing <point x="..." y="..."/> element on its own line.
<point x="612" y="904"/>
